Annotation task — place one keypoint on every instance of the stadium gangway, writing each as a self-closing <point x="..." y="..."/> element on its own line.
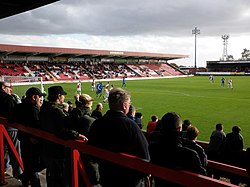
<point x="181" y="177"/>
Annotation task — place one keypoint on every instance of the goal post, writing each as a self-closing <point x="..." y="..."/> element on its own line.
<point x="17" y="81"/>
<point x="22" y="80"/>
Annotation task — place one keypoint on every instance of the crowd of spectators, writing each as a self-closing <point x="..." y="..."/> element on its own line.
<point x="76" y="70"/>
<point x="118" y="130"/>
<point x="66" y="70"/>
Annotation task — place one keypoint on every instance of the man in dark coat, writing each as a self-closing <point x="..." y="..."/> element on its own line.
<point x="7" y="104"/>
<point x="117" y="133"/>
<point x="232" y="151"/>
<point x="26" y="114"/>
<point x="56" y="157"/>
<point x="97" y="113"/>
<point x="169" y="152"/>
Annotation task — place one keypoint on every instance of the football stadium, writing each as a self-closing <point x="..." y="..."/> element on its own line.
<point x="217" y="94"/>
<point x="156" y="87"/>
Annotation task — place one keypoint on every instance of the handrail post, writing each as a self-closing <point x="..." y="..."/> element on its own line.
<point x="83" y="171"/>
<point x="12" y="148"/>
<point x="74" y="164"/>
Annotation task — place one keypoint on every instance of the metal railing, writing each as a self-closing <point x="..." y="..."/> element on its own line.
<point x="181" y="177"/>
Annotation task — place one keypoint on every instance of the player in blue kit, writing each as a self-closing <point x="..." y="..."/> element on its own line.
<point x="223" y="81"/>
<point x="99" y="89"/>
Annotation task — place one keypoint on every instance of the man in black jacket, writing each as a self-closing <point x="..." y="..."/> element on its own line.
<point x="26" y="114"/>
<point x="56" y="157"/>
<point x="117" y="133"/>
<point x="97" y="113"/>
<point x="170" y="153"/>
<point x="7" y="104"/>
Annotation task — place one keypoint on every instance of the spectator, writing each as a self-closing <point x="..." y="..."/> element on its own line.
<point x="232" y="151"/>
<point x="76" y="97"/>
<point x="26" y="114"/>
<point x="154" y="136"/>
<point x="16" y="98"/>
<point x="116" y="133"/>
<point x="152" y="124"/>
<point x="80" y="121"/>
<point x="185" y="125"/>
<point x="7" y="104"/>
<point x="214" y="146"/>
<point x="131" y="113"/>
<point x="138" y="119"/>
<point x="169" y="151"/>
<point x="70" y="106"/>
<point x="190" y="142"/>
<point x="80" y="118"/>
<point x="65" y="107"/>
<point x="97" y="113"/>
<point x="56" y="157"/>
<point x="232" y="146"/>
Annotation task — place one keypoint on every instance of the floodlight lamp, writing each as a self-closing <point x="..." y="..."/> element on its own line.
<point x="195" y="31"/>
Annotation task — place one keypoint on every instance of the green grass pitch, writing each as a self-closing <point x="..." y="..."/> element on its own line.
<point x="194" y="98"/>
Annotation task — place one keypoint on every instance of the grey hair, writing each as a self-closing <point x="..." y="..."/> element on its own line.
<point x="117" y="97"/>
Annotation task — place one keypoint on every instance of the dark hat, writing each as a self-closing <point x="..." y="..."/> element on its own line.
<point x="34" y="91"/>
<point x="55" y="90"/>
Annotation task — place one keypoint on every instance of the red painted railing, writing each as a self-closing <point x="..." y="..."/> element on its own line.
<point x="177" y="176"/>
<point x="5" y="135"/>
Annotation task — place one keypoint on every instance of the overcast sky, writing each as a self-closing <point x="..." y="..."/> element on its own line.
<point x="161" y="26"/>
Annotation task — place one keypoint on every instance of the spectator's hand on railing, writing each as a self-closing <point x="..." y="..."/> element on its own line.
<point x="82" y="137"/>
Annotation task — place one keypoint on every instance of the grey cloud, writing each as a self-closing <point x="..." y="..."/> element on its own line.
<point x="132" y="17"/>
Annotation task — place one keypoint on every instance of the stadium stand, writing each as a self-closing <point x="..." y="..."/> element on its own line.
<point x="84" y="71"/>
<point x="236" y="66"/>
<point x="144" y="70"/>
<point x="83" y="64"/>
<point x="168" y="70"/>
<point x="12" y="69"/>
